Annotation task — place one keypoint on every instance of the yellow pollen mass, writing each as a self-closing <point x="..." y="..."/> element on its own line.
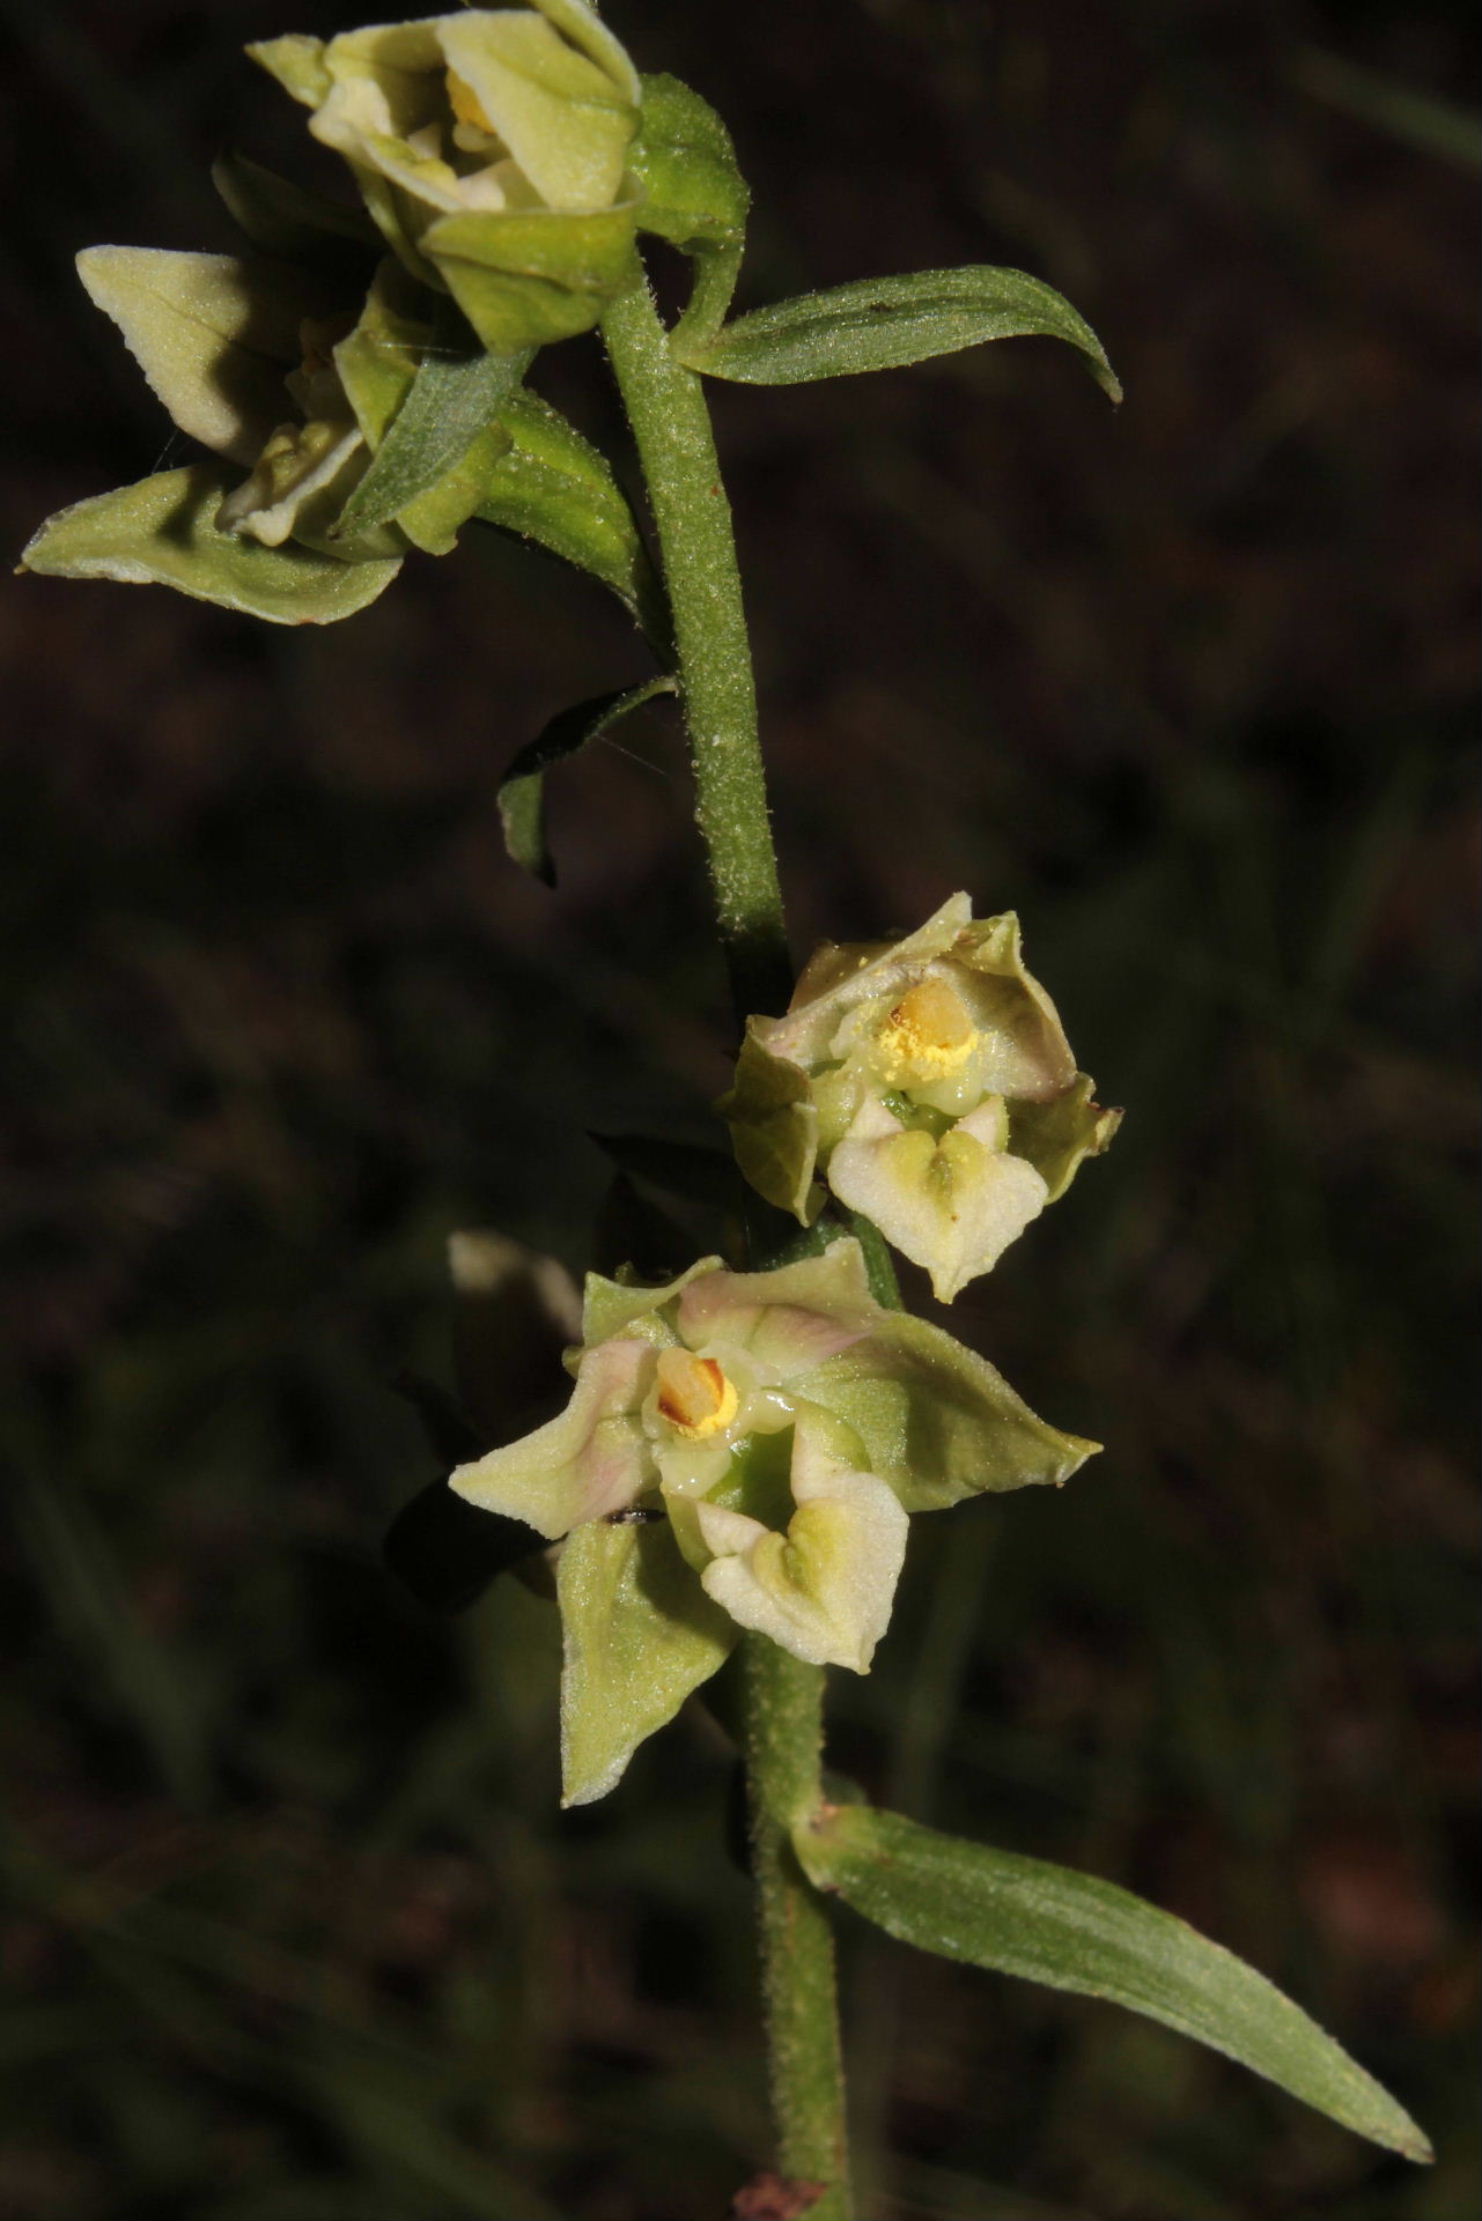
<point x="928" y="1034"/>
<point x="466" y="104"/>
<point x="694" y="1395"/>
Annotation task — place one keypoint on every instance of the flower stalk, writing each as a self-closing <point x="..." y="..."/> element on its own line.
<point x="671" y="427"/>
<point x="783" y="1696"/>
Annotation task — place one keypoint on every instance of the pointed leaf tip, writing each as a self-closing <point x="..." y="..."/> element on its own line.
<point x="888" y="323"/>
<point x="1075" y="1932"/>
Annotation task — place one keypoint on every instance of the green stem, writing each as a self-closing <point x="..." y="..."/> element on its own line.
<point x="783" y="1697"/>
<point x="784" y="1746"/>
<point x="671" y="425"/>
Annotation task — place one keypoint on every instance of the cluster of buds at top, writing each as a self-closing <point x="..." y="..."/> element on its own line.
<point x="928" y="1084"/>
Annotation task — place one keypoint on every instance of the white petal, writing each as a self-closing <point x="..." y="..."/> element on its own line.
<point x="952" y="1205"/>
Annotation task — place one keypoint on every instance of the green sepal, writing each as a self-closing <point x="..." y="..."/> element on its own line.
<point x="553" y="486"/>
<point x="693" y="195"/>
<point x="522" y="789"/>
<point x="774" y="1128"/>
<point x="640" y="1635"/>
<point x="286" y="219"/>
<point x="1075" y="1932"/>
<point x="525" y="277"/>
<point x="297" y="61"/>
<point x="693" y="192"/>
<point x="1058" y="1136"/>
<point x="379" y="359"/>
<point x="613" y="1307"/>
<point x="937" y="1420"/>
<point x="212" y="333"/>
<point x="163" y="532"/>
<point x="887" y="323"/>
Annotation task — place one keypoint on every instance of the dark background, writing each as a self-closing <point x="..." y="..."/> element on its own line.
<point x="295" y="1930"/>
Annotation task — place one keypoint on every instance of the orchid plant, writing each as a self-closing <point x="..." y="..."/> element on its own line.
<point x="745" y="1444"/>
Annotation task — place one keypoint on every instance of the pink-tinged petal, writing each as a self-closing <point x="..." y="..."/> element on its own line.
<point x="788" y="1320"/>
<point x="591" y="1460"/>
<point x="841" y="975"/>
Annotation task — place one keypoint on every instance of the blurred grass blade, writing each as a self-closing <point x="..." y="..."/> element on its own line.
<point x="886" y="323"/>
<point x="1417" y="119"/>
<point x="447" y="1553"/>
<point x="522" y="789"/>
<point x="75" y="1573"/>
<point x="1075" y="1932"/>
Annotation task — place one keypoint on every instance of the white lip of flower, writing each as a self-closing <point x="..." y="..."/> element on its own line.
<point x="824" y="1589"/>
<point x="297" y="462"/>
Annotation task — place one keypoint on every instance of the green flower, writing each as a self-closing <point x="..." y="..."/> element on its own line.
<point x="491" y="148"/>
<point x="294" y="378"/>
<point x="929" y="1083"/>
<point x="264" y="365"/>
<point x="741" y="1450"/>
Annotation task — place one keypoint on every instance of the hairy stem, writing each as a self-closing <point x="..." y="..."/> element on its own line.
<point x="671" y="425"/>
<point x="784" y="1743"/>
<point x="783" y="1697"/>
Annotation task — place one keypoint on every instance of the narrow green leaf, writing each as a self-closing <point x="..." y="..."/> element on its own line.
<point x="556" y="488"/>
<point x="886" y="323"/>
<point x="162" y="532"/>
<point x="521" y="792"/>
<point x="1073" y="1932"/>
<point x="453" y="399"/>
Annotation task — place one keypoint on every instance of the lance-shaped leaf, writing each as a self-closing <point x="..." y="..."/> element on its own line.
<point x="163" y="532"/>
<point x="1074" y="1932"/>
<point x="640" y="1635"/>
<point x="554" y="487"/>
<point x="522" y="789"/>
<point x="886" y="323"/>
<point x="939" y="1423"/>
<point x="287" y="220"/>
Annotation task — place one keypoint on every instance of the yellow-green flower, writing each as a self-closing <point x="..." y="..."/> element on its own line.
<point x="264" y="365"/>
<point x="491" y="148"/>
<point x="928" y="1082"/>
<point x="741" y="1450"/>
